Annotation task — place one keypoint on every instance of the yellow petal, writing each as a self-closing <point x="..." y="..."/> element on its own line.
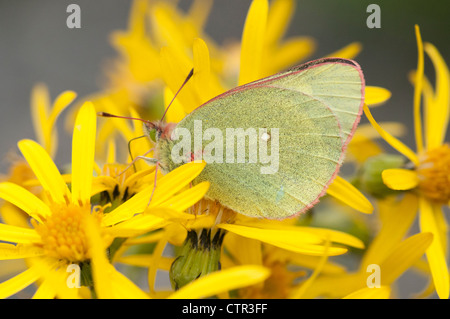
<point x="170" y="214"/>
<point x="199" y="12"/>
<point x="19" y="235"/>
<point x="169" y="31"/>
<point x="40" y="109"/>
<point x="61" y="102"/>
<point x="287" y="54"/>
<point x="166" y="186"/>
<point x="137" y="225"/>
<point x="439" y="112"/>
<point x="19" y="282"/>
<point x="429" y="109"/>
<point x="123" y="287"/>
<point x="396" y="219"/>
<point x="12" y="215"/>
<point x="45" y="291"/>
<point x="280" y="14"/>
<point x="299" y="292"/>
<point x="10" y="251"/>
<point x="245" y="251"/>
<point x="382" y="292"/>
<point x="435" y="253"/>
<point x="176" y="112"/>
<point x="403" y="257"/>
<point x="395" y="143"/>
<point x="139" y="176"/>
<point x="175" y="68"/>
<point x="153" y="266"/>
<point x="322" y="233"/>
<point x="144" y="260"/>
<point x="441" y="221"/>
<point x="375" y="96"/>
<point x="45" y="170"/>
<point x="336" y="286"/>
<point x="25" y="200"/>
<point x="394" y="128"/>
<point x="135" y="205"/>
<point x="361" y="148"/>
<point x="221" y="281"/>
<point x="55" y="280"/>
<point x="400" y="179"/>
<point x="348" y="52"/>
<point x="50" y="133"/>
<point x="418" y="92"/>
<point x="202" y="74"/>
<point x="188" y="198"/>
<point x="252" y="44"/>
<point x="146" y="239"/>
<point x="334" y="236"/>
<point x="102" y="183"/>
<point x="83" y="149"/>
<point x="311" y="262"/>
<point x="101" y="270"/>
<point x="301" y="242"/>
<point x="111" y="152"/>
<point x="138" y="13"/>
<point x="348" y="194"/>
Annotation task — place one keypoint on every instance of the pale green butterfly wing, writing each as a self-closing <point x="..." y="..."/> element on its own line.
<point x="310" y="143"/>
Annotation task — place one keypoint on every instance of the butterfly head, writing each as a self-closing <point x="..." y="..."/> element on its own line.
<point x="156" y="131"/>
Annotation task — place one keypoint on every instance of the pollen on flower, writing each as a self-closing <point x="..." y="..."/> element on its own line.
<point x="434" y="174"/>
<point x="213" y="208"/>
<point x="63" y="234"/>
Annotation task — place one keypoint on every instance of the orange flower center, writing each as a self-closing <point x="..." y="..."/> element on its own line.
<point x="221" y="213"/>
<point x="63" y="233"/>
<point x="434" y="174"/>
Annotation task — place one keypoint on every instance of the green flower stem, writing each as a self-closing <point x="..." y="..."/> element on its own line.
<point x="198" y="257"/>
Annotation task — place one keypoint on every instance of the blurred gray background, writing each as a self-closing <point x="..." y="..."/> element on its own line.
<point x="36" y="46"/>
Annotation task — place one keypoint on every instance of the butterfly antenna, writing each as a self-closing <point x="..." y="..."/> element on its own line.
<point x="104" y="114"/>
<point x="191" y="73"/>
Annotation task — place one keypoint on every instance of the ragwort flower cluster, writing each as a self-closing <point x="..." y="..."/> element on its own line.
<point x="111" y="208"/>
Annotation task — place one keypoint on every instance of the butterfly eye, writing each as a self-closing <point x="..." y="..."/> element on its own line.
<point x="152" y="135"/>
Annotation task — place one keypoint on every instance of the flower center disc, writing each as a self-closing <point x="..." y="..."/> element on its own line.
<point x="434" y="174"/>
<point x="63" y="233"/>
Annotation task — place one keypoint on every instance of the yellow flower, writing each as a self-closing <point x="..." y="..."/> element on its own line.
<point x="428" y="174"/>
<point x="262" y="41"/>
<point x="388" y="256"/>
<point x="244" y="240"/>
<point x="67" y="230"/>
<point x="217" y="283"/>
<point x="44" y="115"/>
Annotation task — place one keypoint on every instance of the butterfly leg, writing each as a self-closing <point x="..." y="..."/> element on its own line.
<point x="154" y="183"/>
<point x="147" y="159"/>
